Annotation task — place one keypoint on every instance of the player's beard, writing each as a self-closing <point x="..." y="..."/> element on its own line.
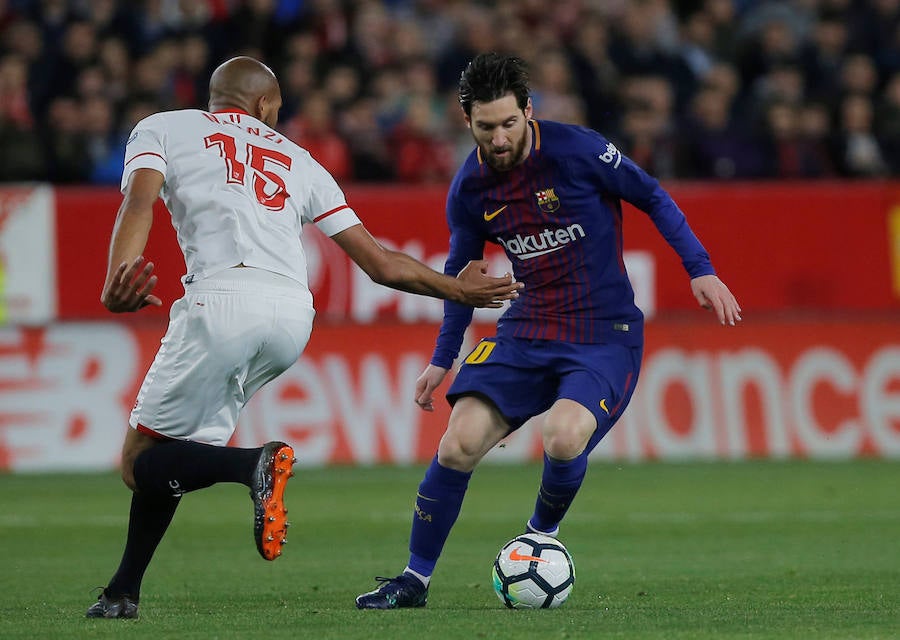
<point x="510" y="159"/>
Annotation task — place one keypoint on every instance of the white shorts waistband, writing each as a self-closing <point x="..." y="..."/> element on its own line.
<point x="244" y="279"/>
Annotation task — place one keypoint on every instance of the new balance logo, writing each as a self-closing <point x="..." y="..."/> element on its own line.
<point x="539" y="244"/>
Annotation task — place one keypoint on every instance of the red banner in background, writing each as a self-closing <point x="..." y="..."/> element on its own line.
<point x="761" y="390"/>
<point x="809" y="246"/>
<point x="773" y="388"/>
<point x="84" y="223"/>
<point x="779" y="247"/>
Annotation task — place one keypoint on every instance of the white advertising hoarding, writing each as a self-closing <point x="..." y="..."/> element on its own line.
<point x="27" y="254"/>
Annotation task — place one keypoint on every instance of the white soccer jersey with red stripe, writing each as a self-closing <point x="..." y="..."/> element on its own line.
<point x="238" y="191"/>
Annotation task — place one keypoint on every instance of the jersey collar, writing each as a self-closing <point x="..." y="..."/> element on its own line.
<point x="535" y="135"/>
<point x="234" y="110"/>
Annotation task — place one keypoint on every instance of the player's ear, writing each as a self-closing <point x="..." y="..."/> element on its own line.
<point x="529" y="109"/>
<point x="261" y="104"/>
<point x="468" y="119"/>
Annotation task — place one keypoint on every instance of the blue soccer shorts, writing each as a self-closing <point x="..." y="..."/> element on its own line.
<point x="523" y="378"/>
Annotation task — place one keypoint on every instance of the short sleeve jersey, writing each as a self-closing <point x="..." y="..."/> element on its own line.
<point x="238" y="191"/>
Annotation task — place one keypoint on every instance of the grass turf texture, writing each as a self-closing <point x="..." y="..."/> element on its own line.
<point x="749" y="550"/>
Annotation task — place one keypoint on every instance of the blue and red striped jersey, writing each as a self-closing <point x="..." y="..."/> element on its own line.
<point x="558" y="216"/>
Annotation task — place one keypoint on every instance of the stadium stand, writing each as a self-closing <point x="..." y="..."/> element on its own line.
<point x="692" y="89"/>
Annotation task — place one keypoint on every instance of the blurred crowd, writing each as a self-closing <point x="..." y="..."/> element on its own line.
<point x="690" y="89"/>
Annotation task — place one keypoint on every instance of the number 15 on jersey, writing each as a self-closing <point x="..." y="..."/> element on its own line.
<point x="268" y="186"/>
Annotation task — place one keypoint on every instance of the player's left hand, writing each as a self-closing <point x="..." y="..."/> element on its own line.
<point x="712" y="294"/>
<point x="430" y="380"/>
<point x="129" y="287"/>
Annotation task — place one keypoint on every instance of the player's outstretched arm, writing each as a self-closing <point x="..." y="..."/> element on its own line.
<point x="128" y="284"/>
<point x="400" y="271"/>
<point x="430" y="380"/>
<point x="712" y="294"/>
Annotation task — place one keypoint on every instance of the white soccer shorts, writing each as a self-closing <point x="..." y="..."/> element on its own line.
<point x="229" y="335"/>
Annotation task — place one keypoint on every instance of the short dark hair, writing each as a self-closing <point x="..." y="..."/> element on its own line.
<point x="489" y="77"/>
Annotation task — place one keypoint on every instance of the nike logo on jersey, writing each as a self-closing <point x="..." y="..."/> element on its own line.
<point x="603" y="405"/>
<point x="515" y="555"/>
<point x="490" y="216"/>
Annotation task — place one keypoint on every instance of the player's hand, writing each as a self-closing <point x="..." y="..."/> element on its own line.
<point x="129" y="287"/>
<point x="482" y="290"/>
<point x="712" y="294"/>
<point x="430" y="380"/>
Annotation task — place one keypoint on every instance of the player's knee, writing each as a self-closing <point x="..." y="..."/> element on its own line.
<point x="135" y="444"/>
<point x="565" y="442"/>
<point x="126" y="469"/>
<point x="127" y="473"/>
<point x="455" y="454"/>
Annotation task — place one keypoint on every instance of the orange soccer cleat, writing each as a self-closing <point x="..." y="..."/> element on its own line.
<point x="267" y="487"/>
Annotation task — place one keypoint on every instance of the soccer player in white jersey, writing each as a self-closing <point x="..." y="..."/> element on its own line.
<point x="238" y="193"/>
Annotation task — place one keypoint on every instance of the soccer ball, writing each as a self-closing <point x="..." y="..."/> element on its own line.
<point x="533" y="571"/>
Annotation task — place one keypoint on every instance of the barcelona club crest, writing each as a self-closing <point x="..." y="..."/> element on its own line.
<point x="547" y="200"/>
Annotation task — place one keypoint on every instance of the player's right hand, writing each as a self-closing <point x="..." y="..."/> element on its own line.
<point x="430" y="380"/>
<point x="129" y="287"/>
<point x="482" y="290"/>
<point x="712" y="294"/>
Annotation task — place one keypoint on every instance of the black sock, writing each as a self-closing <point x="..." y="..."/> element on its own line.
<point x="176" y="467"/>
<point x="149" y="519"/>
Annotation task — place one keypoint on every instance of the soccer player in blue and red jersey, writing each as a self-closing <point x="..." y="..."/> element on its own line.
<point x="550" y="194"/>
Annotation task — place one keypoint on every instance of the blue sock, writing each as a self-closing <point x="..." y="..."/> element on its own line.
<point x="438" y="502"/>
<point x="559" y="484"/>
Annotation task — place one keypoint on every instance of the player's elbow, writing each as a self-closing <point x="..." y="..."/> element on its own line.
<point x="387" y="274"/>
<point x="386" y="269"/>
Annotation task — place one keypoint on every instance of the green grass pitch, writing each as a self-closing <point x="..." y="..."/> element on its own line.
<point x="789" y="550"/>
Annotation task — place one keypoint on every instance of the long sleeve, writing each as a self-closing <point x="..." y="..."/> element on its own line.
<point x="620" y="176"/>
<point x="465" y="244"/>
